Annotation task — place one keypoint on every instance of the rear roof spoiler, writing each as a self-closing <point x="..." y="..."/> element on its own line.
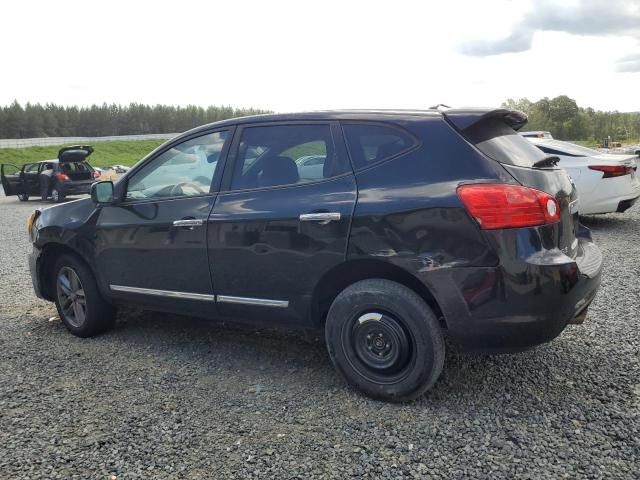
<point x="75" y="153"/>
<point x="464" y="118"/>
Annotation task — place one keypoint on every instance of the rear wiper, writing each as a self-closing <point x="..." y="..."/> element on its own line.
<point x="547" y="162"/>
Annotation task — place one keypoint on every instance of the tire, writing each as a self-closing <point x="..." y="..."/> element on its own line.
<point x="23" y="197"/>
<point x="385" y="340"/>
<point x="97" y="315"/>
<point x="56" y="195"/>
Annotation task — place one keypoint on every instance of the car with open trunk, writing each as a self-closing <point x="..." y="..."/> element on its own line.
<point x="385" y="230"/>
<point x="69" y="174"/>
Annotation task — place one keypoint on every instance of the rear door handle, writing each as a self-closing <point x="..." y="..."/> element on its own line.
<point x="188" y="223"/>
<point x="322" y="217"/>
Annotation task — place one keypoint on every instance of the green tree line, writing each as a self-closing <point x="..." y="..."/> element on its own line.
<point x="50" y="120"/>
<point x="567" y="121"/>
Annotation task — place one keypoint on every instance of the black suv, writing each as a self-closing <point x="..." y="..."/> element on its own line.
<point x="386" y="229"/>
<point x="69" y="174"/>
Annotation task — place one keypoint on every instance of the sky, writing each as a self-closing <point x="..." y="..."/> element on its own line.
<point x="321" y="54"/>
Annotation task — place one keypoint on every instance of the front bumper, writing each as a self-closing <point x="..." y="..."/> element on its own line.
<point x="521" y="303"/>
<point x="34" y="266"/>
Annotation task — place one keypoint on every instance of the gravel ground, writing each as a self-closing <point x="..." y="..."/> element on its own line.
<point x="170" y="397"/>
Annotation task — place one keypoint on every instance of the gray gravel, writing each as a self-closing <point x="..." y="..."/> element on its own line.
<point x="169" y="397"/>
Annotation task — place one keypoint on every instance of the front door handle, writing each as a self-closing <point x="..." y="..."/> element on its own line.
<point x="322" y="217"/>
<point x="188" y="223"/>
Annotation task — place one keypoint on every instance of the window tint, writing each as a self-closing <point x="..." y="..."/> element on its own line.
<point x="33" y="167"/>
<point x="183" y="171"/>
<point x="369" y="144"/>
<point x="499" y="141"/>
<point x="284" y="155"/>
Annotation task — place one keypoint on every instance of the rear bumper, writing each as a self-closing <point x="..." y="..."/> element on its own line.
<point x="519" y="304"/>
<point x="626" y="196"/>
<point x="625" y="205"/>
<point x="75" y="189"/>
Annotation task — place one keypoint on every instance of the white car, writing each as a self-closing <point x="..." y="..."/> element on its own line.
<point x="605" y="182"/>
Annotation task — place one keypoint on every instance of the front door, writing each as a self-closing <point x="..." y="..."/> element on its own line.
<point x="31" y="178"/>
<point x="151" y="245"/>
<point x="283" y="222"/>
<point x="11" y="178"/>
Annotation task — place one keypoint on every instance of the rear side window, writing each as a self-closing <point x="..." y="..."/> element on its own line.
<point x="277" y="155"/>
<point x="369" y="144"/>
<point x="499" y="141"/>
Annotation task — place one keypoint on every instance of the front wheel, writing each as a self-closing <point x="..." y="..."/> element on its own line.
<point x="23" y="197"/>
<point x="385" y="340"/>
<point x="81" y="307"/>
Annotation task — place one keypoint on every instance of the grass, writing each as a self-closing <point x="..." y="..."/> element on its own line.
<point x="105" y="153"/>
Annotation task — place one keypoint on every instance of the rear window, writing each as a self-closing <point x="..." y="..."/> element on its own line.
<point x="369" y="144"/>
<point x="566" y="148"/>
<point x="75" y="167"/>
<point x="501" y="142"/>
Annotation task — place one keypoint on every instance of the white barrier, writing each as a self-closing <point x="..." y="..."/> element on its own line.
<point x="33" y="142"/>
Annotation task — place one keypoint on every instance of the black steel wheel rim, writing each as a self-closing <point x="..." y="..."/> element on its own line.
<point x="379" y="346"/>
<point x="71" y="297"/>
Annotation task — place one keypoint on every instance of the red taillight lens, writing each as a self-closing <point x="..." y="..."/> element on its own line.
<point x="612" y="170"/>
<point x="508" y="206"/>
<point x="62" y="177"/>
<point x="96" y="174"/>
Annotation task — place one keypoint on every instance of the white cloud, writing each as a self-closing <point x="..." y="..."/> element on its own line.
<point x="286" y="55"/>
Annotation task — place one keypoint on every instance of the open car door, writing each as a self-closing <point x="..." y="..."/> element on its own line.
<point x="75" y="153"/>
<point x="11" y="177"/>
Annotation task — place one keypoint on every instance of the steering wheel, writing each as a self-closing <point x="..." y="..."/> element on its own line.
<point x="177" y="190"/>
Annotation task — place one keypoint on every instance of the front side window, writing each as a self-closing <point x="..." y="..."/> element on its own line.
<point x="284" y="155"/>
<point x="185" y="170"/>
<point x="369" y="144"/>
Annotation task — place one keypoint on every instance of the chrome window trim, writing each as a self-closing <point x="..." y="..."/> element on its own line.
<point x="261" y="302"/>
<point x="164" y="293"/>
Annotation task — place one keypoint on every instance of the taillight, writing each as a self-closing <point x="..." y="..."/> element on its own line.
<point x="62" y="177"/>
<point x="612" y="170"/>
<point x="96" y="174"/>
<point x="508" y="206"/>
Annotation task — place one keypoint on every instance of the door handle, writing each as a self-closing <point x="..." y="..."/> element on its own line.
<point x="322" y="217"/>
<point x="189" y="223"/>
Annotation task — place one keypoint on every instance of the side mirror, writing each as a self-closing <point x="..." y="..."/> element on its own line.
<point x="102" y="193"/>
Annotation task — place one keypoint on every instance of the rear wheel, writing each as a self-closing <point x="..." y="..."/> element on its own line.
<point x="81" y="307"/>
<point x="385" y="340"/>
<point x="56" y="195"/>
<point x="23" y="197"/>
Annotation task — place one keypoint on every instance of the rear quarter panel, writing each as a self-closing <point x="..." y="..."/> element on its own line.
<point x="408" y="212"/>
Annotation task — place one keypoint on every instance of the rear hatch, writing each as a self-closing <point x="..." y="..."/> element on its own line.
<point x="493" y="132"/>
<point x="73" y="163"/>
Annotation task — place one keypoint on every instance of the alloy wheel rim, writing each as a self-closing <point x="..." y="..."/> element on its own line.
<point x="71" y="297"/>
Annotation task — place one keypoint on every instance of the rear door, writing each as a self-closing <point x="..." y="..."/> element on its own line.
<point x="11" y="178"/>
<point x="280" y="225"/>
